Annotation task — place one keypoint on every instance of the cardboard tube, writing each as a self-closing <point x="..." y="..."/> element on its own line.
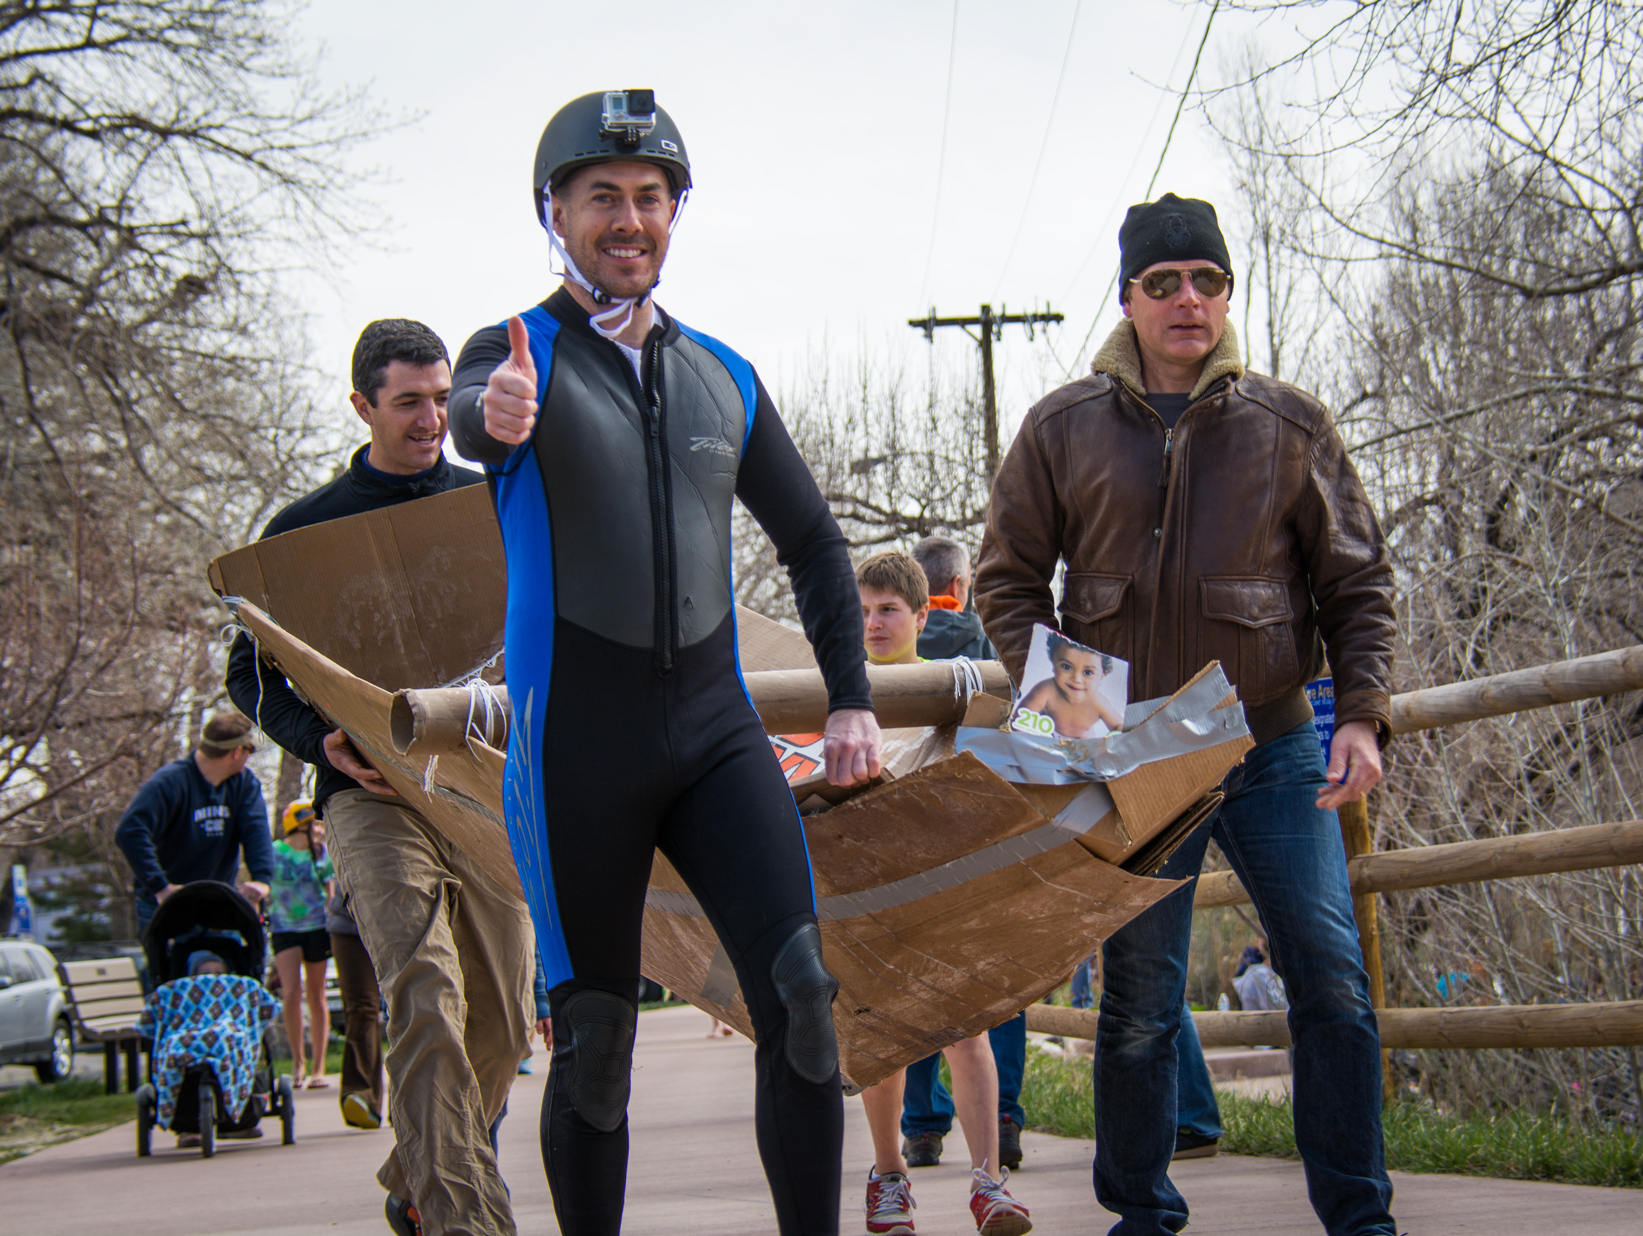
<point x="434" y="720"/>
<point x="904" y="696"/>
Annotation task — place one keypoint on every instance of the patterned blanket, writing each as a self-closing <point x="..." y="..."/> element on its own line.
<point x="213" y="1019"/>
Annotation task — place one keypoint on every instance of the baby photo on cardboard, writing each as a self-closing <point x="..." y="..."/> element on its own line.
<point x="1070" y="691"/>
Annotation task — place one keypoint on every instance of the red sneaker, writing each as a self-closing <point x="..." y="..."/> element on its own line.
<point x="996" y="1213"/>
<point x="889" y="1205"/>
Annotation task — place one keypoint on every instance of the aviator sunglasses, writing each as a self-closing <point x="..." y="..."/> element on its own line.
<point x="1208" y="281"/>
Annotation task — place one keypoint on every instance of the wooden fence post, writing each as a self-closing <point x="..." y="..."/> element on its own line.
<point x="1354" y="818"/>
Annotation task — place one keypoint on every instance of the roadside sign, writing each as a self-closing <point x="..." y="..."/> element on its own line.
<point x="22" y="913"/>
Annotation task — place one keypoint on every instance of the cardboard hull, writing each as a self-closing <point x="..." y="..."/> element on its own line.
<point x="949" y="900"/>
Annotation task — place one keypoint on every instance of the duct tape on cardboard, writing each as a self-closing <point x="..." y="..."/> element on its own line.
<point x="1190" y="721"/>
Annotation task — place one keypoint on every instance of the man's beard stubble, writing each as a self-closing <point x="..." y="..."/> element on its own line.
<point x="590" y="260"/>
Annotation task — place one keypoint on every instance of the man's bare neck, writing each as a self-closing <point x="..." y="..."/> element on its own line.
<point x="1168" y="377"/>
<point x="638" y="327"/>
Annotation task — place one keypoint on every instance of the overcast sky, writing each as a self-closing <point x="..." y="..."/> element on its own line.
<point x="825" y="213"/>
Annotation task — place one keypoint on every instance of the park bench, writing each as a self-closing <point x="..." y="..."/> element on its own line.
<point x="107" y="999"/>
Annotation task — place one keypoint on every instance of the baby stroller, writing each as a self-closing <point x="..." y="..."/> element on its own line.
<point x="210" y="1070"/>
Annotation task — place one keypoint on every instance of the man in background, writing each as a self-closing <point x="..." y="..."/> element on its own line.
<point x="451" y="947"/>
<point x="951" y="629"/>
<point x="193" y="818"/>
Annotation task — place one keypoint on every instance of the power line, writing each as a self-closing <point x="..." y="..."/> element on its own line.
<point x="1140" y="151"/>
<point x="941" y="161"/>
<point x="1078" y="358"/>
<point x="1049" y="123"/>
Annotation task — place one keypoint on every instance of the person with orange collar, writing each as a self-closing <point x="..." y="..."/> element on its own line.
<point x="895" y="608"/>
<point x="953" y="629"/>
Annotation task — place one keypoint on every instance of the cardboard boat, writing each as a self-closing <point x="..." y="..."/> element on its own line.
<point x="949" y="898"/>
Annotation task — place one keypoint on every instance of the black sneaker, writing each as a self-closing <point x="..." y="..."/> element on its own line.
<point x="1188" y="1145"/>
<point x="922" y="1150"/>
<point x="402" y="1216"/>
<point x="1009" y="1143"/>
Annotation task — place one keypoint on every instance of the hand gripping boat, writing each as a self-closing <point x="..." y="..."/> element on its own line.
<point x="962" y="887"/>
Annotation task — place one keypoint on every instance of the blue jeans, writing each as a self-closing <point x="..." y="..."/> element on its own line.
<point x="1290" y="857"/>
<point x="1082" y="993"/>
<point x="926" y="1107"/>
<point x="1196" y="1109"/>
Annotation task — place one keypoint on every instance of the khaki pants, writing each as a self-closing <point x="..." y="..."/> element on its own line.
<point x="454" y="954"/>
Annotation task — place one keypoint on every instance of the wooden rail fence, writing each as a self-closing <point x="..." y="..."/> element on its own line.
<point x="1612" y="1024"/>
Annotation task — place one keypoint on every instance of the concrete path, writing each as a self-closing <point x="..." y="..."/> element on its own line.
<point x="695" y="1170"/>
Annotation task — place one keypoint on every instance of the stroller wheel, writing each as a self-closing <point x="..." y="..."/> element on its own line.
<point x="208" y="1119"/>
<point x="145" y="1120"/>
<point x="287" y="1109"/>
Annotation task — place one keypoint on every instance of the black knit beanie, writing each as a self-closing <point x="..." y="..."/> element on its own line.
<point x="1172" y="229"/>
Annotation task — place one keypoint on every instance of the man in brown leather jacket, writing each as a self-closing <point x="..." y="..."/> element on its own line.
<point x="1207" y="513"/>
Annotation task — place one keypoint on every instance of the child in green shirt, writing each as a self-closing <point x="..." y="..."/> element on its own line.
<point x="302" y="946"/>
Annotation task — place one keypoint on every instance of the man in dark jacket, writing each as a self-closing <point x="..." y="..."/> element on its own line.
<point x="455" y="969"/>
<point x="952" y="629"/>
<point x="193" y="818"/>
<point x="1203" y="513"/>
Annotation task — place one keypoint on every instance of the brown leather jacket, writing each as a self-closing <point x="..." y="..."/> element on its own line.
<point x="1243" y="535"/>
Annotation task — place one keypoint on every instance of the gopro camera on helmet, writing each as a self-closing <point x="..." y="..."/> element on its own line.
<point x="607" y="125"/>
<point x="628" y="115"/>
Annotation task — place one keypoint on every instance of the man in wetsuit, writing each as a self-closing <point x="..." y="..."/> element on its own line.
<point x="615" y="440"/>
<point x="451" y="947"/>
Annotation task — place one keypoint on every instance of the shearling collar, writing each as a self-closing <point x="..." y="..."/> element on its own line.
<point x="1119" y="357"/>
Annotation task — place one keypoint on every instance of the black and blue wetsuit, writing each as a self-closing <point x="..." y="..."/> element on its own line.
<point x="633" y="730"/>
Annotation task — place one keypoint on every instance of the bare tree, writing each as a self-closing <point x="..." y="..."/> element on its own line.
<point x="159" y="162"/>
<point x="897" y="455"/>
<point x="1403" y="98"/>
<point x="1506" y="451"/>
<point x="1466" y="183"/>
<point x="1280" y="275"/>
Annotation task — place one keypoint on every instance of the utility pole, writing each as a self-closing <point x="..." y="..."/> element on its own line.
<point x="992" y="327"/>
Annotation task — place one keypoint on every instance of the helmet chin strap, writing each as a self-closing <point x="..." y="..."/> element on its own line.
<point x="611" y="321"/>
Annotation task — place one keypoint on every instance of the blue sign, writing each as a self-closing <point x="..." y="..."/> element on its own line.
<point x="22" y="913"/>
<point x="1321" y="691"/>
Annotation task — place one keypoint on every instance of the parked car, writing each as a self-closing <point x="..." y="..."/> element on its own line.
<point x="34" y="1014"/>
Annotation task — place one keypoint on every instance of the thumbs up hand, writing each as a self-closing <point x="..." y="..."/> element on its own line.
<point x="510" y="395"/>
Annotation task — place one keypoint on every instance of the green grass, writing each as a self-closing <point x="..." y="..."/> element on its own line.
<point x="1515" y="1146"/>
<point x="333" y="1058"/>
<point x="35" y="1116"/>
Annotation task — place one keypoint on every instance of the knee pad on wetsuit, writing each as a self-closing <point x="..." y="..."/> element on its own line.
<point x="806" y="990"/>
<point x="601" y="1056"/>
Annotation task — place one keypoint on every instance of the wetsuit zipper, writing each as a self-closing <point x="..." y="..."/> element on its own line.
<point x="660" y="530"/>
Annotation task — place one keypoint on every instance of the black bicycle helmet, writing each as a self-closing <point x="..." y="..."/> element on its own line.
<point x="605" y="127"/>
